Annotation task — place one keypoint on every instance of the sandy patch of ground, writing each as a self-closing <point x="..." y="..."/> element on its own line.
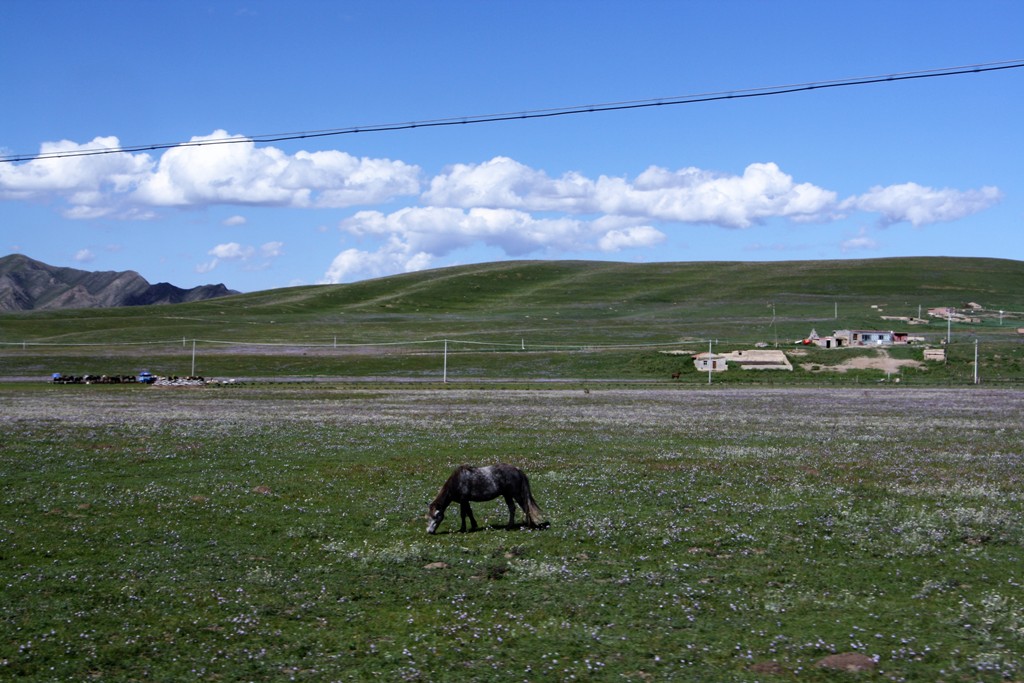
<point x="880" y="361"/>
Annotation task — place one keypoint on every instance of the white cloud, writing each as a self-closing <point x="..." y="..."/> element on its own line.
<point x="692" y="195"/>
<point x="354" y="264"/>
<point x="860" y="242"/>
<point x="689" y="195"/>
<point x="90" y="185"/>
<point x="630" y="238"/>
<point x="82" y="176"/>
<point x="272" y="249"/>
<point x="241" y="173"/>
<point x="207" y="266"/>
<point x="233" y="171"/>
<point x="230" y="169"/>
<point x="507" y="184"/>
<point x="231" y="251"/>
<point x="84" y="256"/>
<point x="244" y="253"/>
<point x="501" y="204"/>
<point x="439" y="231"/>
<point x="920" y="205"/>
<point x="413" y="237"/>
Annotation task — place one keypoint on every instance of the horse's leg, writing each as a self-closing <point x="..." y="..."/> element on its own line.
<point x="511" y="511"/>
<point x="467" y="512"/>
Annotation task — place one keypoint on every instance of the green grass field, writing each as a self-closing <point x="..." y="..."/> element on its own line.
<point x="575" y="302"/>
<point x="536" y="320"/>
<point x="740" y="533"/>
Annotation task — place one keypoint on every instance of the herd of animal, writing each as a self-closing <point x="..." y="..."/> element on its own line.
<point x="59" y="378"/>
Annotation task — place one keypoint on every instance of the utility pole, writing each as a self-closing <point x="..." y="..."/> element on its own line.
<point x="775" y="326"/>
<point x="975" y="361"/>
<point x="710" y="361"/>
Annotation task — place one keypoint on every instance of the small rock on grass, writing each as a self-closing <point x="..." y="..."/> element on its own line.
<point x="848" y="661"/>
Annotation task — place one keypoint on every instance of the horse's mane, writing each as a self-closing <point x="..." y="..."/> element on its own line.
<point x="450" y="485"/>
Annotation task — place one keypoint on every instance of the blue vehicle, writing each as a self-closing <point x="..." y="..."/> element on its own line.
<point x="145" y="377"/>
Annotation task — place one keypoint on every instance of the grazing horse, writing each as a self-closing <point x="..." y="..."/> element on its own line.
<point x="484" y="483"/>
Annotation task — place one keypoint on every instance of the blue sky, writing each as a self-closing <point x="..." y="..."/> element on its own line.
<point x="923" y="167"/>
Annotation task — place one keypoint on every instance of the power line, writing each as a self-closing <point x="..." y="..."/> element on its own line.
<point x="536" y="113"/>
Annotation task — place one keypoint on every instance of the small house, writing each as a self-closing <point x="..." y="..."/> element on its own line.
<point x="710" y="362"/>
<point x="829" y="342"/>
<point x="751" y="359"/>
<point x="870" y="338"/>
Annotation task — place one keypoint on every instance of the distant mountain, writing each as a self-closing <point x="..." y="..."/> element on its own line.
<point x="27" y="284"/>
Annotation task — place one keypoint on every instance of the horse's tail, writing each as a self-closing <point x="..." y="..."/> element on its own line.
<point x="534" y="515"/>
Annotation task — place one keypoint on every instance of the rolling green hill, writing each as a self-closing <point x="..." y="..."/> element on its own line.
<point x="538" y="303"/>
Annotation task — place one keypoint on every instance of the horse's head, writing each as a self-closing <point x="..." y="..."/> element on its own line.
<point x="436" y="516"/>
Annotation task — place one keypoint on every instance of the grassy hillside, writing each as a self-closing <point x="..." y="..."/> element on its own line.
<point x="540" y="303"/>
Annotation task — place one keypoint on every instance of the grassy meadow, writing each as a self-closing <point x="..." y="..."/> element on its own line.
<point x="546" y="320"/>
<point x="726" y="533"/>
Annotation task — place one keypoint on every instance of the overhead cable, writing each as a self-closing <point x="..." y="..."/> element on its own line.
<point x="532" y="114"/>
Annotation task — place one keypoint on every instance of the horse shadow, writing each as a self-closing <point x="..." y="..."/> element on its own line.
<point x="518" y="526"/>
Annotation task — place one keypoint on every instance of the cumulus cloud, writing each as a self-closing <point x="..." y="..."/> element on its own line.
<point x="630" y="238"/>
<point x="692" y="195"/>
<point x="242" y="173"/>
<point x="413" y="237"/>
<point x="507" y="184"/>
<point x="395" y="257"/>
<point x="918" y="205"/>
<point x="233" y="251"/>
<point x="501" y="204"/>
<point x="439" y="230"/>
<point x="83" y="176"/>
<point x="272" y="249"/>
<point x="210" y="170"/>
<point x="688" y="195"/>
<point x="225" y="169"/>
<point x="88" y="184"/>
<point x="860" y="242"/>
<point x="84" y="256"/>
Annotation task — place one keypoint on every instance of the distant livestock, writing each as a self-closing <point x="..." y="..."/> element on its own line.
<point x="59" y="378"/>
